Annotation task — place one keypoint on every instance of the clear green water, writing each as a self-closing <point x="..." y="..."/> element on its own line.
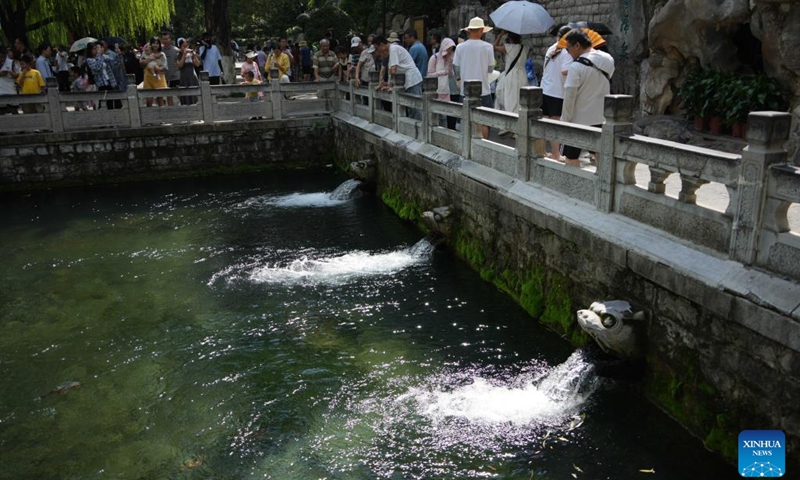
<point x="233" y="328"/>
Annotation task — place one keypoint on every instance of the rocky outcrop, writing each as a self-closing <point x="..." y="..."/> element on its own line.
<point x="682" y="35"/>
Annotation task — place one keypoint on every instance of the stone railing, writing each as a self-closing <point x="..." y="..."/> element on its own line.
<point x="210" y="104"/>
<point x="749" y="226"/>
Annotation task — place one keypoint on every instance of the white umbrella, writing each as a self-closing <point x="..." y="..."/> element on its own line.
<point x="522" y="17"/>
<point x="81" y="44"/>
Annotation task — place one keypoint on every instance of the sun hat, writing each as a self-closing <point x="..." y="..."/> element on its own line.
<point x="476" y="23"/>
<point x="356" y="41"/>
<point x="303" y="43"/>
<point x="447" y="45"/>
<point x="393" y="38"/>
<point x="251" y="55"/>
<point x="494" y="76"/>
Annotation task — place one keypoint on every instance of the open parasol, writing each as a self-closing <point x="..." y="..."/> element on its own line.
<point x="522" y="17"/>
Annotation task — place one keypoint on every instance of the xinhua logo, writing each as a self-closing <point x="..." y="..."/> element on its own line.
<point x="762" y="453"/>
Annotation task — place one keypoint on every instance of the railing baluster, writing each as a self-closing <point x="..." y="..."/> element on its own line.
<point x="374" y="80"/>
<point x="206" y="98"/>
<point x="618" y="110"/>
<point x="429" y="120"/>
<point x="133" y="101"/>
<point x="54" y="105"/>
<point x="472" y="99"/>
<point x="530" y="109"/>
<point x="767" y="134"/>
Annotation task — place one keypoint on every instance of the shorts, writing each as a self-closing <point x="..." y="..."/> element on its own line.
<point x="574" y="152"/>
<point x="174" y="83"/>
<point x="551" y="106"/>
<point x="307" y="70"/>
<point x="487" y="101"/>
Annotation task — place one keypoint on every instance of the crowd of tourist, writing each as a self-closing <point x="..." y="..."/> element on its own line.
<point x="576" y="72"/>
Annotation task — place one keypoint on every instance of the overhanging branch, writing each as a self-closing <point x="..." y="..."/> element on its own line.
<point x="41" y="23"/>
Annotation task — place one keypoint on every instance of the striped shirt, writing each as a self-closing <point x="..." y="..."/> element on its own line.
<point x="325" y="63"/>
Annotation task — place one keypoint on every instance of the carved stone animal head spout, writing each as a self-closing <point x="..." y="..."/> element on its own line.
<point x="615" y="327"/>
<point x="365" y="170"/>
<point x="439" y="220"/>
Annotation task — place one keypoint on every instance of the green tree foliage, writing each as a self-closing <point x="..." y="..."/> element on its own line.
<point x="37" y="20"/>
<point x="328" y="17"/>
<point x="258" y="20"/>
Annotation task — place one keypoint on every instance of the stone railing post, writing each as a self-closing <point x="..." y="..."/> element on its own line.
<point x="374" y="81"/>
<point x="429" y="120"/>
<point x="275" y="95"/>
<point x="618" y="110"/>
<point x="132" y="93"/>
<point x="352" y="92"/>
<point x="472" y="99"/>
<point x="398" y="85"/>
<point x="530" y="109"/>
<point x="54" y="105"/>
<point x="767" y="134"/>
<point x="206" y="98"/>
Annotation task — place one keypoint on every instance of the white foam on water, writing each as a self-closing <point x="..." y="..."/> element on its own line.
<point x="342" y="194"/>
<point x="551" y="399"/>
<point x="342" y="268"/>
<point x="299" y="200"/>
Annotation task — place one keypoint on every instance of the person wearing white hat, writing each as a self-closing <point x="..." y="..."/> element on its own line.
<point x="474" y="60"/>
<point x="250" y="65"/>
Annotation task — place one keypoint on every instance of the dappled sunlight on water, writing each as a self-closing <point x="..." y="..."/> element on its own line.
<point x="205" y="334"/>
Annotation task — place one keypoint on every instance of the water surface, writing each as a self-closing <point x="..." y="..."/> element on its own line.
<point x="259" y="327"/>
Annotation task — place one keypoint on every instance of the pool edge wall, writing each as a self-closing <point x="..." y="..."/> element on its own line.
<point x="44" y="160"/>
<point x="705" y="368"/>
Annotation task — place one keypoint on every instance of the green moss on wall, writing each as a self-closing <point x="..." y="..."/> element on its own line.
<point x="691" y="401"/>
<point x="546" y="301"/>
<point x="404" y="209"/>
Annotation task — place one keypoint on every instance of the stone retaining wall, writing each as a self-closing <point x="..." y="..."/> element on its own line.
<point x="119" y="154"/>
<point x="707" y="364"/>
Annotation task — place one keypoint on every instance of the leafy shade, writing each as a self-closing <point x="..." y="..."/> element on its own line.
<point x="37" y="20"/>
<point x="328" y="17"/>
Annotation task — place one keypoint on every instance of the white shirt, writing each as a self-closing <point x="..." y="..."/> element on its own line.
<point x="367" y="64"/>
<point x="585" y="89"/>
<point x="399" y="56"/>
<point x="475" y="58"/>
<point x="211" y="62"/>
<point x="63" y="65"/>
<point x="7" y="83"/>
<point x="552" y="78"/>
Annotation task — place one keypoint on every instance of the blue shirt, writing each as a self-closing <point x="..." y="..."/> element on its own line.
<point x="211" y="61"/>
<point x="43" y="65"/>
<point x="420" y="56"/>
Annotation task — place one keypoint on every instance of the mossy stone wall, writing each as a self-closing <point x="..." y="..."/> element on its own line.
<point x="712" y="375"/>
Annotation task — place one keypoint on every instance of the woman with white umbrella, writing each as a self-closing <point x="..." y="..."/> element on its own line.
<point x="514" y="76"/>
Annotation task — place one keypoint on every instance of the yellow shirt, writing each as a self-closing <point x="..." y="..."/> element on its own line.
<point x="282" y="64"/>
<point x="31" y="82"/>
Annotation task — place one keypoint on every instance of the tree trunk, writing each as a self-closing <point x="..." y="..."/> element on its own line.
<point x="13" y="24"/>
<point x="218" y="24"/>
